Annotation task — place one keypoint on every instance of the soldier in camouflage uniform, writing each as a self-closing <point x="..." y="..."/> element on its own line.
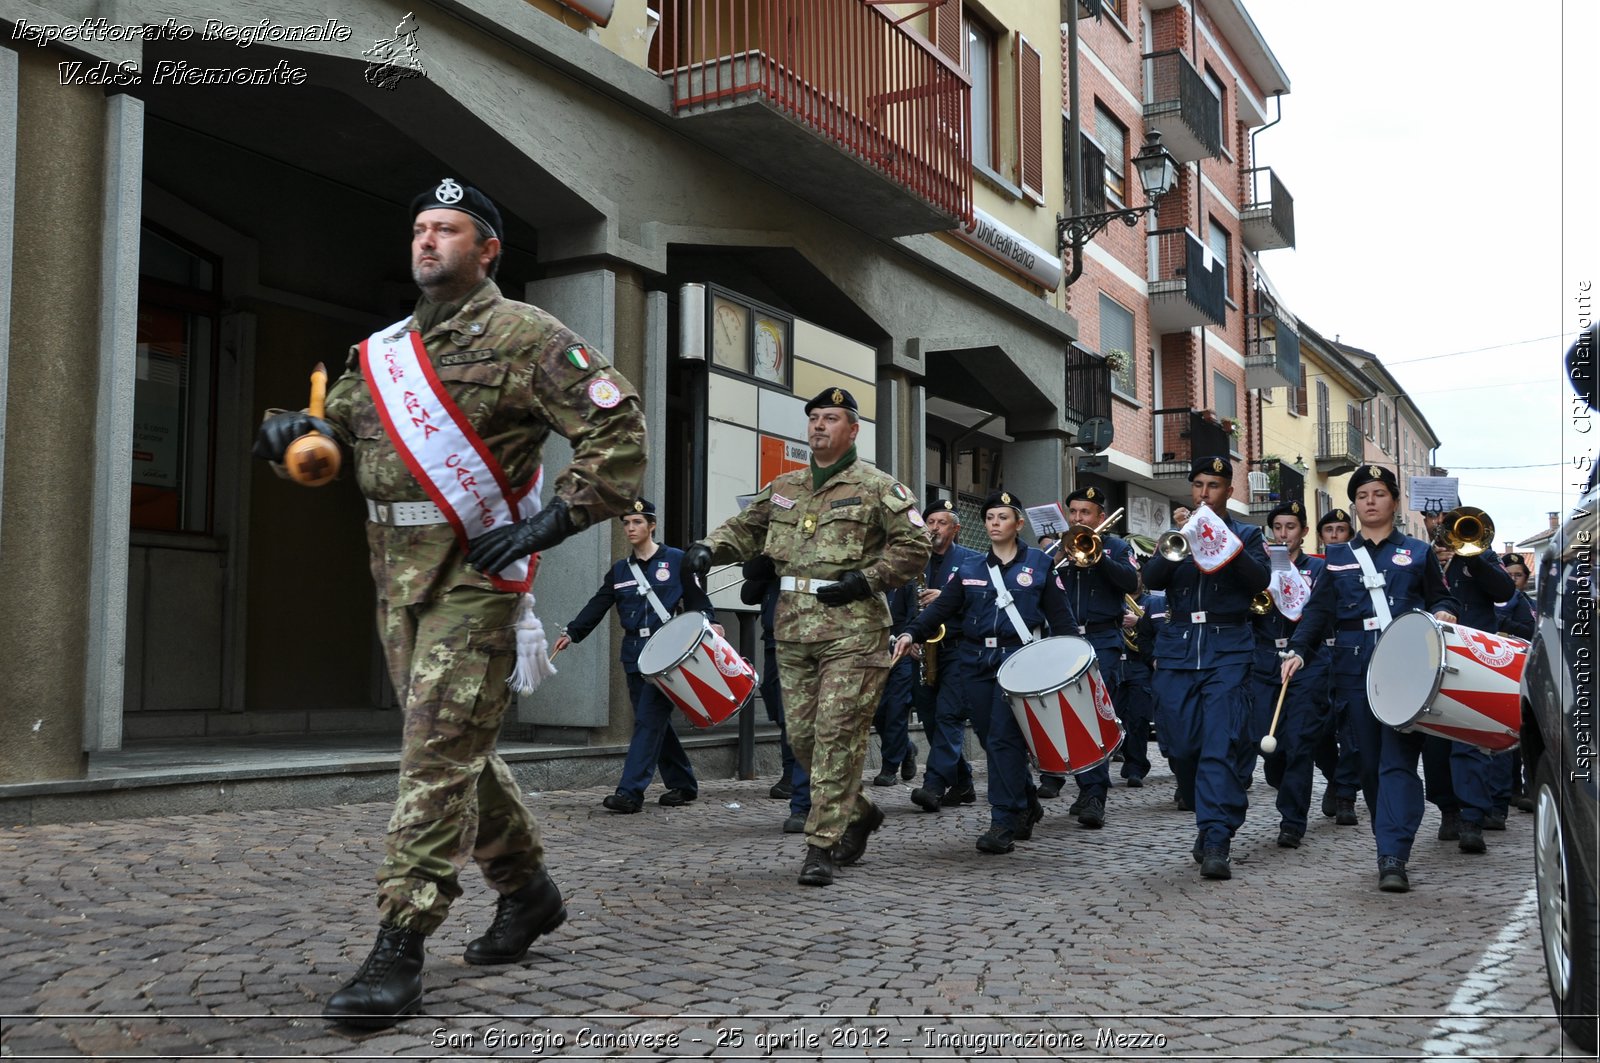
<point x="840" y="533"/>
<point x="516" y="374"/>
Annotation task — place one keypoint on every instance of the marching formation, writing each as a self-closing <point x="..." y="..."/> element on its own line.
<point x="1061" y="656"/>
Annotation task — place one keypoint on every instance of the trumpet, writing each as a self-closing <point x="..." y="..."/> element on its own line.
<point x="1082" y="546"/>
<point x="1172" y="545"/>
<point x="1466" y="530"/>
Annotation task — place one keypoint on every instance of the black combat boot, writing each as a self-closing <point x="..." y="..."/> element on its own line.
<point x="519" y="918"/>
<point x="854" y="842"/>
<point x="818" y="868"/>
<point x="387" y="987"/>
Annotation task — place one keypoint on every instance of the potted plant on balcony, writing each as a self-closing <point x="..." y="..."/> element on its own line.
<point x="1270" y="464"/>
<point x="1118" y="360"/>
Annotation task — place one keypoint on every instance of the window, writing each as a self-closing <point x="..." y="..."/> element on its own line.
<point x="1368" y="420"/>
<point x="1030" y="119"/>
<point x="981" y="68"/>
<point x="1091" y="157"/>
<point x="1215" y="83"/>
<point x="1386" y="428"/>
<point x="1217" y="241"/>
<point x="1113" y="138"/>
<point x="1116" y="335"/>
<point x="1225" y="397"/>
<point x="1297" y="403"/>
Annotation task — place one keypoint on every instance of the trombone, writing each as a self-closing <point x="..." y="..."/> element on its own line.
<point x="1466" y="530"/>
<point x="1082" y="544"/>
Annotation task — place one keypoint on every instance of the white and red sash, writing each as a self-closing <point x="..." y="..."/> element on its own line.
<point x="441" y="448"/>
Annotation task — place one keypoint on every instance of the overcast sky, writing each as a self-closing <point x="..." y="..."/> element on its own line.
<point x="1442" y="160"/>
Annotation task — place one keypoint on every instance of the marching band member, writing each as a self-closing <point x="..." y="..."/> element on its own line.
<point x="1337" y="757"/>
<point x="947" y="777"/>
<point x="1306" y="716"/>
<point x="1000" y="598"/>
<point x="1135" y="699"/>
<point x="1096" y="593"/>
<point x="1365" y="583"/>
<point x="1204" y="652"/>
<point x="646" y="591"/>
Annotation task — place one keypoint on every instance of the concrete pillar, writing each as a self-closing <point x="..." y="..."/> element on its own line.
<point x="47" y="541"/>
<point x="1034" y="468"/>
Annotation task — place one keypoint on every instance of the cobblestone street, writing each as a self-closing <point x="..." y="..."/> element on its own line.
<point x="221" y="935"/>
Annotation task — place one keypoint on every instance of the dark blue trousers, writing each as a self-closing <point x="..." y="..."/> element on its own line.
<point x="1135" y="703"/>
<point x="1306" y="720"/>
<point x="947" y="766"/>
<point x="1203" y="716"/>
<point x="1097" y="780"/>
<point x="893" y="718"/>
<point x="1009" y="775"/>
<point x="794" y="773"/>
<point x="654" y="743"/>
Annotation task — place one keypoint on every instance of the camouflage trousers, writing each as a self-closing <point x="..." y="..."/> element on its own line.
<point x="830" y="692"/>
<point x="450" y="659"/>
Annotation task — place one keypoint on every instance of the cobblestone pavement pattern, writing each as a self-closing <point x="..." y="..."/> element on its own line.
<point x="192" y="936"/>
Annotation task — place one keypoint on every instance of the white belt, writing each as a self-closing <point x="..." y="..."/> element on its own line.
<point x="803" y="585"/>
<point x="404" y="514"/>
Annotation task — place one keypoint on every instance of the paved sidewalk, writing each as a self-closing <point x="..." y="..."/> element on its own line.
<point x="221" y="935"/>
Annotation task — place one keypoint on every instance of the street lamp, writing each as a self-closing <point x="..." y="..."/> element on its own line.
<point x="1158" y="172"/>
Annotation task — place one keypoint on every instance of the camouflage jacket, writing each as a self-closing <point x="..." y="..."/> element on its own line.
<point x="516" y="373"/>
<point x="859" y="519"/>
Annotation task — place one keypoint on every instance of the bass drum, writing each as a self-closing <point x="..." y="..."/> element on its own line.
<point x="1448" y="680"/>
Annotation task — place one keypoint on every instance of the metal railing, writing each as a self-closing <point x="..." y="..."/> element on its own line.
<point x="844" y="69"/>
<point x="1183" y="434"/>
<point x="1177" y="88"/>
<point x="1177" y="255"/>
<point x="1339" y="442"/>
<point x="1088" y="391"/>
<point x="1270" y="202"/>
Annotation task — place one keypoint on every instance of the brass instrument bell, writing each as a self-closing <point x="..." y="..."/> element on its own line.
<point x="1172" y="545"/>
<point x="1081" y="544"/>
<point x="1466" y="530"/>
<point x="1262" y="604"/>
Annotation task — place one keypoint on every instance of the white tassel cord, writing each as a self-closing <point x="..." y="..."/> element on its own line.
<point x="533" y="650"/>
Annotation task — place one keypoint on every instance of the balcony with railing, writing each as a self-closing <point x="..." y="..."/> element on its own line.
<point x="1272" y="355"/>
<point x="832" y="100"/>
<point x="1276" y="483"/>
<point x="1187" y="285"/>
<point x="1267" y="221"/>
<point x="1181" y="106"/>
<point x="1339" y="446"/>
<point x="1182" y="435"/>
<point x="1088" y="390"/>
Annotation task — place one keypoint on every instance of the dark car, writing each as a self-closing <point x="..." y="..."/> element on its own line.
<point x="1559" y="740"/>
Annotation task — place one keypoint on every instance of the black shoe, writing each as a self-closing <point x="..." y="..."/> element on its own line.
<point x="1135" y="781"/>
<point x="1049" y="787"/>
<point x="622" y="803"/>
<point x="1288" y="839"/>
<point x="958" y="795"/>
<point x="1494" y="821"/>
<point x="1345" y="814"/>
<point x="519" y="919"/>
<point x="387" y="987"/>
<point x="1522" y="803"/>
<point x="1214" y="863"/>
<point x="1449" y="826"/>
<point x="795" y="824"/>
<point x="1034" y="814"/>
<point x="818" y="868"/>
<point x="1185" y="804"/>
<point x="674" y="798"/>
<point x="996" y="840"/>
<point x="1077" y="804"/>
<point x="1392" y="875"/>
<point x="886" y="777"/>
<point x="1330" y="803"/>
<point x="854" y="842"/>
<point x="908" y="767"/>
<point x="1199" y="850"/>
<point x="1092" y="814"/>
<point x="926" y="799"/>
<point x="781" y="791"/>
<point x="1470" y="838"/>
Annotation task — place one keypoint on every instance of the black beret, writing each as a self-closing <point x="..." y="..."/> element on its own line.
<point x="450" y="194"/>
<point x="1335" y="516"/>
<point x="1002" y="498"/>
<point x="1288" y="509"/>
<point x="1212" y="466"/>
<point x="833" y="397"/>
<point x="1367" y="474"/>
<point x="1089" y="494"/>
<point x="943" y="505"/>
<point x="643" y="507"/>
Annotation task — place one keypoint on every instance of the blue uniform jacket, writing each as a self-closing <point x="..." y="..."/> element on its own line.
<point x="1477" y="583"/>
<point x="902" y="608"/>
<point x="1037" y="594"/>
<point x="1274" y="631"/>
<point x="1339" y="603"/>
<point x="1095" y="593"/>
<point x="941" y="567"/>
<point x="1154" y="604"/>
<point x="638" y="619"/>
<point x="1224" y="637"/>
<point x="1516" y="617"/>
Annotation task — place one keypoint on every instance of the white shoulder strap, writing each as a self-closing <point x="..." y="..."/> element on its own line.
<point x="1376" y="585"/>
<point x="1005" y="601"/>
<point x="648" y="591"/>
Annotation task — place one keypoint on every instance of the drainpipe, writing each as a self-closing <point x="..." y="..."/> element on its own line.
<point x="1074" y="140"/>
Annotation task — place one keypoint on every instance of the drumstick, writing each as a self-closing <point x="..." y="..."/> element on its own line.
<point x="1268" y="744"/>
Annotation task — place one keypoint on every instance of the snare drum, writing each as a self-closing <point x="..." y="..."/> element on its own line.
<point x="1062" y="705"/>
<point x="1448" y="680"/>
<point x="697" y="669"/>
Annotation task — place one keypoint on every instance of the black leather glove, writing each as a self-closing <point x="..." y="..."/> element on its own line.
<point x="850" y="587"/>
<point x="760" y="567"/>
<point x="696" y="563"/>
<point x="281" y="429"/>
<point x="494" y="550"/>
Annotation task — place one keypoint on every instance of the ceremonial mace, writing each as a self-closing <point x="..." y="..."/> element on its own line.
<point x="313" y="459"/>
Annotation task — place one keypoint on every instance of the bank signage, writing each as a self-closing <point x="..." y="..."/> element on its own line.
<point x="1012" y="250"/>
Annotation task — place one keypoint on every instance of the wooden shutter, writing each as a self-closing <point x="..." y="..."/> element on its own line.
<point x="945" y="29"/>
<point x="1030" y="121"/>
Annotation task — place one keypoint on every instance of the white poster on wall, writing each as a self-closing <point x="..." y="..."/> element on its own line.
<point x="1148" y="515"/>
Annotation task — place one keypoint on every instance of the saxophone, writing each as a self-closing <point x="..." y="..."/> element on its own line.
<point x="930" y="649"/>
<point x="1129" y="639"/>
